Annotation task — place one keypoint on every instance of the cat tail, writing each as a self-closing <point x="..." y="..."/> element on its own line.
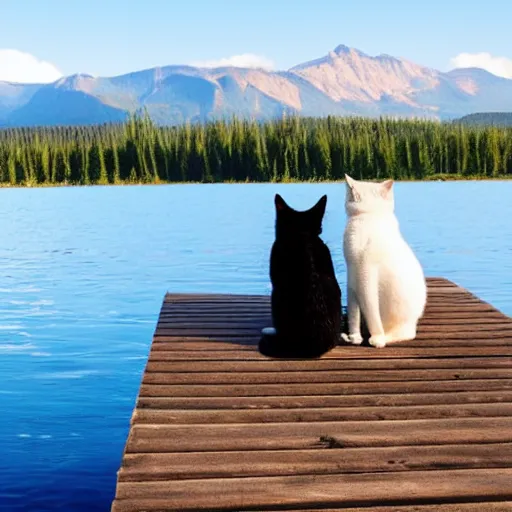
<point x="273" y="345"/>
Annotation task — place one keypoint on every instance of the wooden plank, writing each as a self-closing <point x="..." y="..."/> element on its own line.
<point x="439" y="326"/>
<point x="241" y="324"/>
<point x="455" y="335"/>
<point x="212" y="297"/>
<point x="453" y="307"/>
<point x="187" y="341"/>
<point x="264" y="305"/>
<point x="320" y="435"/>
<point x="446" y="309"/>
<point x="211" y="352"/>
<point x="171" y="299"/>
<point x="257" y="320"/>
<point x="324" y="365"/>
<point x="504" y="327"/>
<point x="154" y="416"/>
<point x="293" y="377"/>
<point x="161" y="505"/>
<point x="264" y="308"/>
<point x="424" y="330"/>
<point x="171" y="466"/>
<point x="254" y="334"/>
<point x="325" y="401"/>
<point x="348" y="489"/>
<point x="180" y="344"/>
<point x="433" y="291"/>
<point x="331" y="388"/>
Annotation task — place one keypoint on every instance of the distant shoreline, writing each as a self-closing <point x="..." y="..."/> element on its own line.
<point x="446" y="178"/>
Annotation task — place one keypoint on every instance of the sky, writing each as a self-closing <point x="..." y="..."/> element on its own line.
<point x="41" y="40"/>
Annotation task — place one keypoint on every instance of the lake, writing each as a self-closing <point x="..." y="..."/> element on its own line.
<point x="83" y="272"/>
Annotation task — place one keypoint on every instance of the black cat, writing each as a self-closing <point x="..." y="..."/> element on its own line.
<point x="306" y="297"/>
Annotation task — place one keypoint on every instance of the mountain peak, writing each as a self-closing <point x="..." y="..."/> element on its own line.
<point x="339" y="52"/>
<point x="78" y="81"/>
<point x="342" y="49"/>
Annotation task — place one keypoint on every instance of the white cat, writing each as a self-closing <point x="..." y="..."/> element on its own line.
<point x="385" y="280"/>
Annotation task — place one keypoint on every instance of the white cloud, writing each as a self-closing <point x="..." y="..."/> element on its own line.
<point x="500" y="66"/>
<point x="245" y="60"/>
<point x="16" y="66"/>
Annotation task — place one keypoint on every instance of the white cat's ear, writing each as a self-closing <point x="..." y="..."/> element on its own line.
<point x="387" y="188"/>
<point x="350" y="181"/>
<point x="352" y="187"/>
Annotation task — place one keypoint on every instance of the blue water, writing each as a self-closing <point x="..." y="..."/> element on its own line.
<point x="82" y="275"/>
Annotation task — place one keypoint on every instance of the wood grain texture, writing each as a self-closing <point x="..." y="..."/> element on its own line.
<point x="420" y="426"/>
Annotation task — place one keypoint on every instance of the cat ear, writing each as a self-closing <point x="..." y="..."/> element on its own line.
<point x="280" y="203"/>
<point x="386" y="188"/>
<point x="352" y="187"/>
<point x="351" y="182"/>
<point x="320" y="206"/>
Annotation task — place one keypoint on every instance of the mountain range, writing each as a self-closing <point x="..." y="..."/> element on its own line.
<point x="487" y="119"/>
<point x="344" y="82"/>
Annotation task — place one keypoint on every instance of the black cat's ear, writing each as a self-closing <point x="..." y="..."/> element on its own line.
<point x="280" y="203"/>
<point x="319" y="207"/>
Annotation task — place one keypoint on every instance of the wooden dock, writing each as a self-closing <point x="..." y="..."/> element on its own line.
<point x="421" y="426"/>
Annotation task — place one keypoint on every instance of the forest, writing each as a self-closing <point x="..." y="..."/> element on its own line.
<point x="284" y="150"/>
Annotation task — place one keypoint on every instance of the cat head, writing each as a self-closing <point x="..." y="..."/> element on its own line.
<point x="290" y="222"/>
<point x="368" y="197"/>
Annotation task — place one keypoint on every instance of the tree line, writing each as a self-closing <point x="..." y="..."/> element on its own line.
<point x="288" y="149"/>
